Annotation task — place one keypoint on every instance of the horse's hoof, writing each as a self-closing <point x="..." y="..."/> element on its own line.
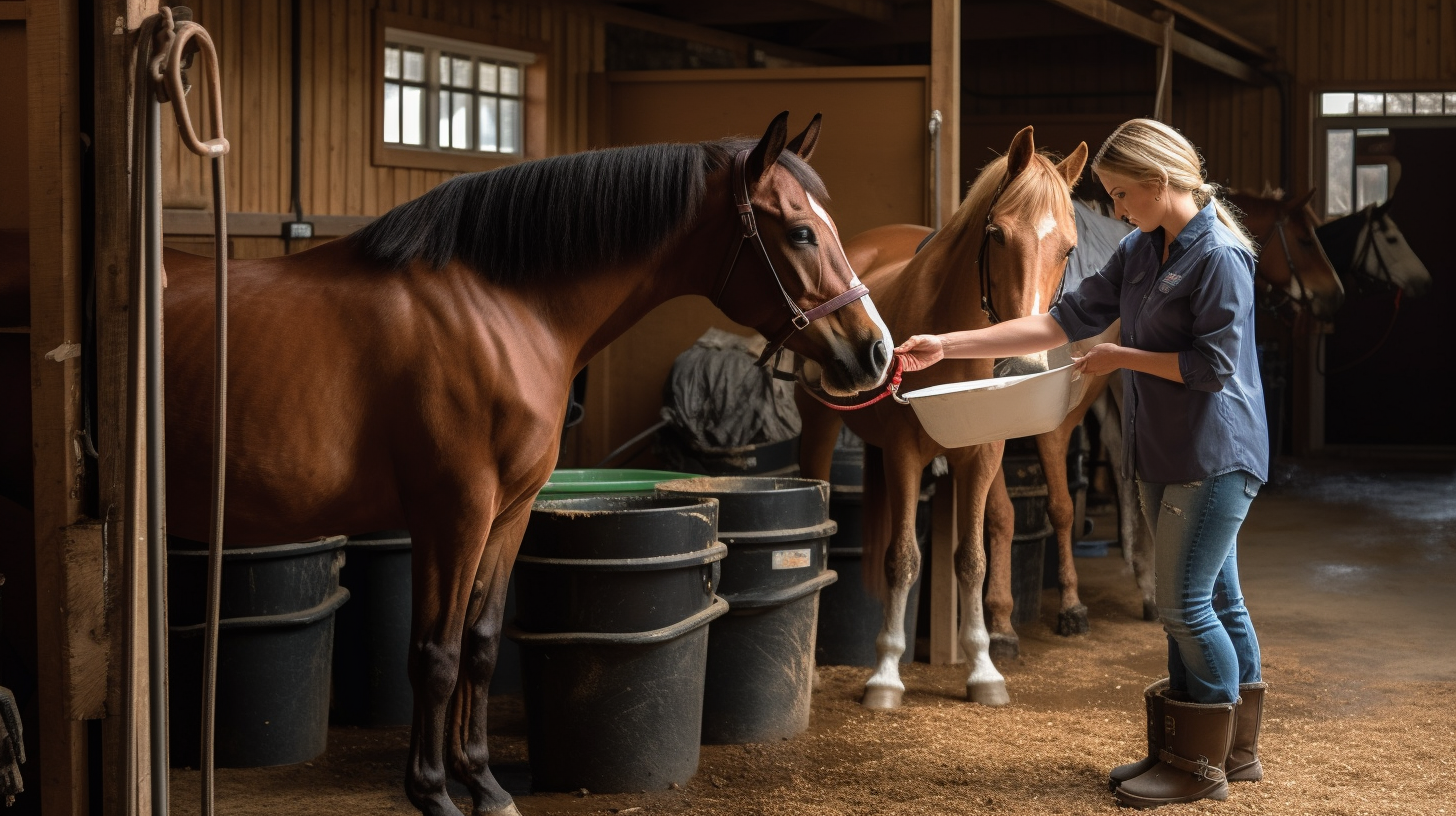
<point x="1004" y="648"/>
<point x="1150" y="611"/>
<point x="508" y="810"/>
<point x="1073" y="621"/>
<point x="880" y="698"/>
<point x="991" y="693"/>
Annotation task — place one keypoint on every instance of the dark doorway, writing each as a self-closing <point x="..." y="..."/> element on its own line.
<point x="1404" y="393"/>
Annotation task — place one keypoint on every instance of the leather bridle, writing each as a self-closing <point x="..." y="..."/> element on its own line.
<point x="1382" y="268"/>
<point x="1305" y="300"/>
<point x="983" y="261"/>
<point x="798" y="318"/>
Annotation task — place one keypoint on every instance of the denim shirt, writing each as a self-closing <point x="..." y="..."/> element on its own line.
<point x="1199" y="304"/>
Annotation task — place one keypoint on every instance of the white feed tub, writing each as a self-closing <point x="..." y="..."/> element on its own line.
<point x="972" y="413"/>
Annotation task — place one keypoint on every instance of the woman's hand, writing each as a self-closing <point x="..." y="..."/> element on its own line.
<point x="921" y="351"/>
<point x="1103" y="358"/>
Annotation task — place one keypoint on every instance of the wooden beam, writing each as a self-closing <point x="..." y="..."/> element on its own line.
<point x="1142" y="28"/>
<point x="741" y="47"/>
<point x="1218" y="29"/>
<point x="53" y="111"/>
<point x="945" y="96"/>
<point x="112" y="245"/>
<point x="12" y="10"/>
<point x="878" y="10"/>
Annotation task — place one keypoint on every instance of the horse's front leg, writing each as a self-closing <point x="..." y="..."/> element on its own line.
<point x="976" y="469"/>
<point x="448" y="538"/>
<point x="892" y="490"/>
<point x="469" y="753"/>
<point x="1000" y="529"/>
<point x="1052" y="446"/>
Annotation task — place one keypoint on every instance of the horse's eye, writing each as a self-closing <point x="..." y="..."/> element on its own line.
<point x="1306" y="243"/>
<point x="1391" y="239"/>
<point x="1070" y="250"/>
<point x="997" y="233"/>
<point x="802" y="235"/>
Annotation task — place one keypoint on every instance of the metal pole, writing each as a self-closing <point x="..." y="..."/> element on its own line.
<point x="935" y="167"/>
<point x="156" y="500"/>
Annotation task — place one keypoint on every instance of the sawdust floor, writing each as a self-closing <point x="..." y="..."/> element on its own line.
<point x="1349" y="578"/>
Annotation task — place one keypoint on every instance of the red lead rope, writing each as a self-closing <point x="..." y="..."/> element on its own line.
<point x="892" y="389"/>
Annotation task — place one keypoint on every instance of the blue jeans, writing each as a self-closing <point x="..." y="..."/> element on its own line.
<point x="1211" y="643"/>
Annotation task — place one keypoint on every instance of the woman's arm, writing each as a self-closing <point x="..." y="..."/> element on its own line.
<point x="1106" y="358"/>
<point x="1013" y="338"/>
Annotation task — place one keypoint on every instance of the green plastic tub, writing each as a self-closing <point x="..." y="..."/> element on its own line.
<point x="570" y="484"/>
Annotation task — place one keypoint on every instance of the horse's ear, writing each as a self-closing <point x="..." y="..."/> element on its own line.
<point x="803" y="144"/>
<point x="1018" y="158"/>
<point x="762" y="159"/>
<point x="1299" y="204"/>
<point x="1071" y="166"/>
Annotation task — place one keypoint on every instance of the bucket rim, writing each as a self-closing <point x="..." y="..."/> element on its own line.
<point x="757" y="484"/>
<point x="619" y="505"/>
<point x="258" y="552"/>
<point x="303" y="617"/>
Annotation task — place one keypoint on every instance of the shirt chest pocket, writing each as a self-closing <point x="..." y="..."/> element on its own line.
<point x="1170" y="280"/>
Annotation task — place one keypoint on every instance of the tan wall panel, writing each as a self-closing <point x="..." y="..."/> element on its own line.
<point x="873" y="156"/>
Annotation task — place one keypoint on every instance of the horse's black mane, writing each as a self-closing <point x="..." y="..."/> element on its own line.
<point x="548" y="219"/>
<point x="1338" y="238"/>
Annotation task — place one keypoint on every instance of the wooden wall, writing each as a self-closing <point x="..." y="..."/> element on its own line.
<point x="338" y="176"/>
<point x="1079" y="88"/>
<point x="1355" y="44"/>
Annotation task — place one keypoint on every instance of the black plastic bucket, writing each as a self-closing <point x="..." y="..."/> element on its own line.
<point x="371" y="634"/>
<point x="274" y="647"/>
<point x="1027" y="487"/>
<point x="849" y="617"/>
<point x="614" y="595"/>
<point x="766" y="459"/>
<point x="761" y="654"/>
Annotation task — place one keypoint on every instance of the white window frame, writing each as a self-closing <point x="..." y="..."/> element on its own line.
<point x="434" y="46"/>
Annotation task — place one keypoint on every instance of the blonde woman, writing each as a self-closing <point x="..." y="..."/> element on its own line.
<point x="1196" y="438"/>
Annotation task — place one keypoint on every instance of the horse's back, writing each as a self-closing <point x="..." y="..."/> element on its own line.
<point x="877" y="248"/>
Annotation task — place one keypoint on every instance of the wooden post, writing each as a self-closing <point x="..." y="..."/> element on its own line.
<point x="115" y="24"/>
<point x="53" y="45"/>
<point x="945" y="647"/>
<point x="945" y="96"/>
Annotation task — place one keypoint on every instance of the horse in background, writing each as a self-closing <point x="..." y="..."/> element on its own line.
<point x="1293" y="274"/>
<point x="1368" y="249"/>
<point x="1018" y="213"/>
<point x="416" y="373"/>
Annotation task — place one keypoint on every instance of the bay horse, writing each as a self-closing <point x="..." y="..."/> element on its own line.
<point x="1001" y="253"/>
<point x="416" y="373"/>
<point x="1293" y="274"/>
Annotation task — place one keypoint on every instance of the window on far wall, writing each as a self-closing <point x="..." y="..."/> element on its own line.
<point x="453" y="97"/>
<point x="1351" y="184"/>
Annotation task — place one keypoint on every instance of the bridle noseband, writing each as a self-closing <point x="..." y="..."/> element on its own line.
<point x="798" y="319"/>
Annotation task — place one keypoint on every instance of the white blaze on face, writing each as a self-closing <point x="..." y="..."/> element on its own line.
<point x="1036" y="304"/>
<point x="1045" y="226"/>
<point x="869" y="305"/>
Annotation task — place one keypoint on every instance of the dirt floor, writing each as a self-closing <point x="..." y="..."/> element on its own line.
<point x="1349" y="576"/>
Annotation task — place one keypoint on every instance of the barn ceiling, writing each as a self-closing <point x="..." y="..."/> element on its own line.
<point x="898" y="31"/>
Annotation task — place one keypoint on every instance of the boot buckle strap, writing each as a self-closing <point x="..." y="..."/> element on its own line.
<point x="1199" y="768"/>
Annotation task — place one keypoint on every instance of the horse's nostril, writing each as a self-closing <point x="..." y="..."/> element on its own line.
<point x="879" y="355"/>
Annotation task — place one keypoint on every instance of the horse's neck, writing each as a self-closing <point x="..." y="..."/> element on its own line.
<point x="601" y="307"/>
<point x="943" y="284"/>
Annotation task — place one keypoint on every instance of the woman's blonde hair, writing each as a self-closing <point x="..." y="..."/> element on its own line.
<point x="1149" y="151"/>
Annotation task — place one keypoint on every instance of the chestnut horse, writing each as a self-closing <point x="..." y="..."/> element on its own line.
<point x="416" y="373"/>
<point x="1014" y="232"/>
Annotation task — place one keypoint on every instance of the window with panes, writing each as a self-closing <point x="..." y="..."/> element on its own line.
<point x="453" y="96"/>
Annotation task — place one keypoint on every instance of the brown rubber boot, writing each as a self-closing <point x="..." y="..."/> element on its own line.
<point x="1196" y="740"/>
<point x="1153" y="702"/>
<point x="1243" y="760"/>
